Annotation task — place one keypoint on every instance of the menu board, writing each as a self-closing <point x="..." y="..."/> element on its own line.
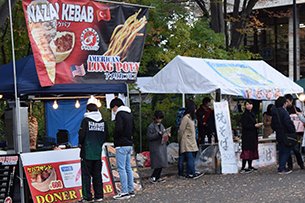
<point x="8" y="164"/>
<point x="55" y="176"/>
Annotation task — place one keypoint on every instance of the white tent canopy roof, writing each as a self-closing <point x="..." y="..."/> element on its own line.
<point x="249" y="79"/>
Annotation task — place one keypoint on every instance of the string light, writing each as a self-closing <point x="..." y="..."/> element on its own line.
<point x="1" y="96"/>
<point x="55" y="105"/>
<point x="77" y="104"/>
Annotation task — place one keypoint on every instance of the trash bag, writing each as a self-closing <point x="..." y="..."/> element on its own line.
<point x="140" y="160"/>
<point x="172" y="152"/>
<point x="208" y="159"/>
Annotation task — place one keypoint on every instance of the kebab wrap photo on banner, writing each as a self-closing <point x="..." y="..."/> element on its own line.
<point x="85" y="41"/>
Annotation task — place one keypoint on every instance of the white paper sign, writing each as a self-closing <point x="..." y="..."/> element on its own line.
<point x="225" y="138"/>
<point x="266" y="153"/>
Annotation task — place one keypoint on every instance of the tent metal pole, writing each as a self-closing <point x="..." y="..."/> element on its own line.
<point x="183" y="100"/>
<point x="127" y="99"/>
<point x="140" y="113"/>
<point x="17" y="111"/>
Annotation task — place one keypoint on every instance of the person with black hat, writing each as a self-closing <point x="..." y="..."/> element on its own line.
<point x="92" y="135"/>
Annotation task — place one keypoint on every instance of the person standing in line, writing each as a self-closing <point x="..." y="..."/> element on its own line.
<point x="123" y="143"/>
<point x="157" y="147"/>
<point x="249" y="138"/>
<point x="281" y="123"/>
<point x="267" y="117"/>
<point x="206" y="122"/>
<point x="187" y="142"/>
<point x="292" y="109"/>
<point x="92" y="135"/>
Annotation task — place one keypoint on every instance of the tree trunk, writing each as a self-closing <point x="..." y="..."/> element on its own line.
<point x="217" y="18"/>
<point x="240" y="21"/>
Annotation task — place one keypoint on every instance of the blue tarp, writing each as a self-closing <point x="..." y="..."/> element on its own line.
<point x="28" y="83"/>
<point x="66" y="117"/>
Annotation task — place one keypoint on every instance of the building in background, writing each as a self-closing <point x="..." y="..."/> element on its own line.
<point x="273" y="39"/>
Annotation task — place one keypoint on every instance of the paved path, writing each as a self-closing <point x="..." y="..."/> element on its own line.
<point x="262" y="186"/>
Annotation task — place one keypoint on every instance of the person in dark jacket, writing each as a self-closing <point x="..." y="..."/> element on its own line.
<point x="292" y="109"/>
<point x="249" y="138"/>
<point x="281" y="123"/>
<point x="206" y="122"/>
<point x="157" y="147"/>
<point x="92" y="135"/>
<point x="123" y="143"/>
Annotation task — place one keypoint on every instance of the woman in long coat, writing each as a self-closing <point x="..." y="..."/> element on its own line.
<point x="157" y="147"/>
<point x="249" y="138"/>
<point x="187" y="142"/>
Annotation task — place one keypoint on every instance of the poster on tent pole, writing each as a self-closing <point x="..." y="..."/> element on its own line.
<point x="84" y="41"/>
<point x="225" y="138"/>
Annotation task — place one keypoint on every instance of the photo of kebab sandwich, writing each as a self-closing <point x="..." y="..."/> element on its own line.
<point x="43" y="33"/>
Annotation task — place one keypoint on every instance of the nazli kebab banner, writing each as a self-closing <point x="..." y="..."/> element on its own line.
<point x="85" y="41"/>
<point x="55" y="176"/>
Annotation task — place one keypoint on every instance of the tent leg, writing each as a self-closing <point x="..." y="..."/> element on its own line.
<point x="17" y="103"/>
<point x="183" y="100"/>
<point x="218" y="95"/>
<point x="140" y="112"/>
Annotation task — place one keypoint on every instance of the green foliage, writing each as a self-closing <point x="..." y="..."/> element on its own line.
<point x="169" y="104"/>
<point x="21" y="40"/>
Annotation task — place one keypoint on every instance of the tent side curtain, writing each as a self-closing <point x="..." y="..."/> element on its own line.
<point x="28" y="83"/>
<point x="248" y="79"/>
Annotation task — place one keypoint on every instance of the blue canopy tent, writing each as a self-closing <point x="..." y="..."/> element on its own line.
<point x="28" y="83"/>
<point x="66" y="116"/>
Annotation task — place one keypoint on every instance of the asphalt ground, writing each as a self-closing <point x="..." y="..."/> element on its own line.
<point x="265" y="185"/>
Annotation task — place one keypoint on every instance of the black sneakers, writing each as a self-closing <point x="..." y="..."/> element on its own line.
<point x="196" y="176"/>
<point x="245" y="170"/>
<point x="132" y="194"/>
<point x="121" y="196"/>
<point x="285" y="172"/>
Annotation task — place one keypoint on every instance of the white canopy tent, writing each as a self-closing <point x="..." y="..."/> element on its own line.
<point x="248" y="79"/>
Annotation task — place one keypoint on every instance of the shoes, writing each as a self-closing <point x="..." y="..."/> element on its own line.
<point x="245" y="170"/>
<point x="132" y="194"/>
<point x="84" y="201"/>
<point x="153" y="180"/>
<point x="196" y="176"/>
<point x="181" y="177"/>
<point x="121" y="196"/>
<point x="285" y="172"/>
<point x="253" y="169"/>
<point x="98" y="200"/>
<point x="161" y="180"/>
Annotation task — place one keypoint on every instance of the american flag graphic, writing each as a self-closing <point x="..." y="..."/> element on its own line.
<point x="78" y="70"/>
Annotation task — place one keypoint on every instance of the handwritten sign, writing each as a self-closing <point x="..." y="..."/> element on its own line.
<point x="267" y="155"/>
<point x="224" y="132"/>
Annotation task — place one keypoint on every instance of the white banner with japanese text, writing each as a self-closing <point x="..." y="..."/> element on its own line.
<point x="225" y="138"/>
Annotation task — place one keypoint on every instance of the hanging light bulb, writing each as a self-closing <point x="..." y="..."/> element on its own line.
<point x="1" y="96"/>
<point x="77" y="104"/>
<point x="55" y="105"/>
<point x="98" y="103"/>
